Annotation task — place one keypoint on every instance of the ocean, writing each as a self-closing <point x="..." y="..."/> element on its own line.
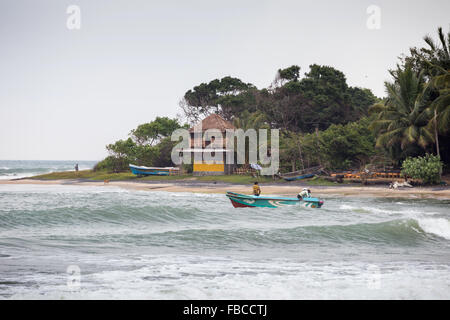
<point x="104" y="242"/>
<point x="16" y="169"/>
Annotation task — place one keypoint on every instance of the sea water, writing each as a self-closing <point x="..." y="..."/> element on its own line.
<point x="16" y="169"/>
<point x="103" y="242"/>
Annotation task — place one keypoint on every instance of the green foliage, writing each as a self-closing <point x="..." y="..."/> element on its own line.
<point x="427" y="168"/>
<point x="290" y="74"/>
<point x="288" y="151"/>
<point x="436" y="53"/>
<point x="122" y="148"/>
<point x="327" y="88"/>
<point x="163" y="156"/>
<point x="122" y="152"/>
<point x="321" y="98"/>
<point x="339" y="147"/>
<point x="232" y="105"/>
<point x="111" y="164"/>
<point x="145" y="155"/>
<point x="246" y="120"/>
<point x="347" y="146"/>
<point x="413" y="118"/>
<point x="361" y="99"/>
<point x="151" y="132"/>
<point x="149" y="145"/>
<point x="207" y="98"/>
<point x="400" y="122"/>
<point x="433" y="62"/>
<point x="440" y="106"/>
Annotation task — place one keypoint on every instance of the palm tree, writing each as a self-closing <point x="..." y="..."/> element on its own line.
<point x="436" y="53"/>
<point x="435" y="60"/>
<point x="439" y="52"/>
<point x="439" y="107"/>
<point x="400" y="120"/>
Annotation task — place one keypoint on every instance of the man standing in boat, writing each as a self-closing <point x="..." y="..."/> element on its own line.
<point x="256" y="189"/>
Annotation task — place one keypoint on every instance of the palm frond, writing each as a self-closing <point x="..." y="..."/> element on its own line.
<point x="428" y="40"/>
<point x="443" y="42"/>
<point x="411" y="134"/>
<point x="389" y="138"/>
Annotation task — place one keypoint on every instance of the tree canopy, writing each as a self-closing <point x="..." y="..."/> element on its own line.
<point x="322" y="119"/>
<point x="319" y="99"/>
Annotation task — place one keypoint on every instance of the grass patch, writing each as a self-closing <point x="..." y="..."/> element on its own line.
<point x="128" y="176"/>
<point x="103" y="175"/>
<point x="124" y="176"/>
<point x="86" y="174"/>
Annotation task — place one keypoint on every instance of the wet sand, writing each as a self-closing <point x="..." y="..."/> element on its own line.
<point x="442" y="193"/>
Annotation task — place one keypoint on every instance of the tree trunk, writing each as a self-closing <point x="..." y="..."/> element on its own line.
<point x="436" y="136"/>
<point x="318" y="144"/>
<point x="300" y="153"/>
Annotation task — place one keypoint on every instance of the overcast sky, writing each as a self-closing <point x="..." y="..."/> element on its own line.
<point x="65" y="94"/>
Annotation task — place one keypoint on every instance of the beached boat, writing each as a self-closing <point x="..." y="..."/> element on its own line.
<point x="243" y="200"/>
<point x="159" y="171"/>
<point x="302" y="174"/>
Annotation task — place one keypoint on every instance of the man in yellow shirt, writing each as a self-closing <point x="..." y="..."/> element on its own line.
<point x="256" y="189"/>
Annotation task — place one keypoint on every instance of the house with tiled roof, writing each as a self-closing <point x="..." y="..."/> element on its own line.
<point x="200" y="146"/>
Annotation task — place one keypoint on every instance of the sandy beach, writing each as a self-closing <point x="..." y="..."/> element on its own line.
<point x="441" y="193"/>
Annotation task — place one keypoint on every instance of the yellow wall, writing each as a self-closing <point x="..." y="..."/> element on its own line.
<point x="216" y="167"/>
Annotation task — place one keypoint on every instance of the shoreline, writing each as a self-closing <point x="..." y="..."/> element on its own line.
<point x="438" y="193"/>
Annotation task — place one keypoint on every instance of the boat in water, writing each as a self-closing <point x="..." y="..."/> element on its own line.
<point x="158" y="171"/>
<point x="242" y="200"/>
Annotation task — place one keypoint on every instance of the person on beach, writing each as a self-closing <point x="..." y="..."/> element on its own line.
<point x="76" y="167"/>
<point x="256" y="189"/>
<point x="305" y="193"/>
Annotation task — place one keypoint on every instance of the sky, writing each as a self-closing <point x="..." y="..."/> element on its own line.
<point x="66" y="93"/>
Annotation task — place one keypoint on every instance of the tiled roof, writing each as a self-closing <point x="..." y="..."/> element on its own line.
<point x="214" y="121"/>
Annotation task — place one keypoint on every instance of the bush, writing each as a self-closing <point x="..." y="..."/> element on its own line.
<point x="347" y="146"/>
<point x="112" y="164"/>
<point x="427" y="168"/>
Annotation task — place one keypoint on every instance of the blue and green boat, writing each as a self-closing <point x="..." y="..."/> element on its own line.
<point x="242" y="200"/>
<point x="157" y="171"/>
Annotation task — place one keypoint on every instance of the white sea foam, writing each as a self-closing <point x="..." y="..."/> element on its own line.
<point x="19" y="175"/>
<point x="437" y="226"/>
<point x="181" y="277"/>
